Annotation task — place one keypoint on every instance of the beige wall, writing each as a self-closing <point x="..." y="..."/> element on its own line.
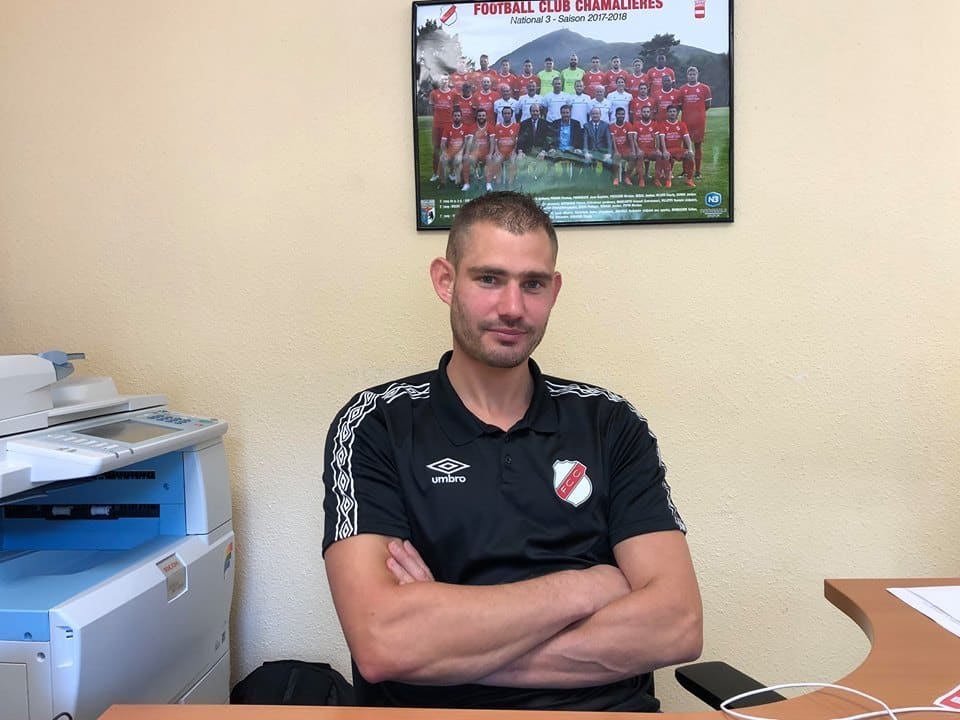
<point x="181" y="197"/>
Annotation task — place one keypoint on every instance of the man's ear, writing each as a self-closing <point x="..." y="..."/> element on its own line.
<point x="442" y="275"/>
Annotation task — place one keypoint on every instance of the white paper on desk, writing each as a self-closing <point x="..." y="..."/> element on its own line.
<point x="940" y="603"/>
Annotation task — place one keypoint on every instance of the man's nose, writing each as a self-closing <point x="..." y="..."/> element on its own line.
<point x="511" y="301"/>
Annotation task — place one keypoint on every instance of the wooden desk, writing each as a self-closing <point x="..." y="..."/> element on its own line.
<point x="912" y="661"/>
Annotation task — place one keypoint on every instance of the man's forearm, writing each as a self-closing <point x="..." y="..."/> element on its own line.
<point x="438" y="633"/>
<point x="632" y="635"/>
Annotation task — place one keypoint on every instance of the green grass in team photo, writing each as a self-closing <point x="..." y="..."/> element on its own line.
<point x="715" y="170"/>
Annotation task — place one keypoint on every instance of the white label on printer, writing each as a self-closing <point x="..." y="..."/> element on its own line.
<point x="176" y="575"/>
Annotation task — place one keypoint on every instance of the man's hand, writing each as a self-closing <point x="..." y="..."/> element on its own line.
<point x="405" y="563"/>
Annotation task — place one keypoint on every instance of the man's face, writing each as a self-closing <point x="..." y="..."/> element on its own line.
<point x="599" y="93"/>
<point x="672" y="113"/>
<point x="667" y="82"/>
<point x="507" y="113"/>
<point x="643" y="90"/>
<point x="457" y="118"/>
<point x="466" y="90"/>
<point x="484" y="62"/>
<point x="565" y="113"/>
<point x="531" y="89"/>
<point x="444" y="82"/>
<point x="615" y="63"/>
<point x="621" y="114"/>
<point x="638" y="67"/>
<point x="503" y="291"/>
<point x="485" y="84"/>
<point x="557" y="84"/>
<point x="504" y="91"/>
<point x="578" y="87"/>
<point x="595" y="115"/>
<point x="535" y="112"/>
<point x="505" y="67"/>
<point x="574" y="60"/>
<point x="621" y="84"/>
<point x="692" y="75"/>
<point x="645" y="113"/>
<point x="661" y="61"/>
<point x="481" y="117"/>
<point x="595" y="64"/>
<point x="527" y="68"/>
<point x="548" y="65"/>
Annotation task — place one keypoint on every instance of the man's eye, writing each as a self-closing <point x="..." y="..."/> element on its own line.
<point x="487" y="280"/>
<point x="534" y="285"/>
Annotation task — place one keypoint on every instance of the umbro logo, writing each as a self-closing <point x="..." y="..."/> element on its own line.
<point x="447" y="467"/>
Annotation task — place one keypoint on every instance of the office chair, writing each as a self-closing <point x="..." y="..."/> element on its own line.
<point x="715" y="681"/>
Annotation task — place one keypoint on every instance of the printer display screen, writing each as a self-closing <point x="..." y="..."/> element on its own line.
<point x="128" y="431"/>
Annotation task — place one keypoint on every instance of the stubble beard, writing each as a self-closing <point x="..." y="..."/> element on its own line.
<point x="470" y="340"/>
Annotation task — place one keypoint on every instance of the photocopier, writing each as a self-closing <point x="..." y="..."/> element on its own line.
<point x="116" y="546"/>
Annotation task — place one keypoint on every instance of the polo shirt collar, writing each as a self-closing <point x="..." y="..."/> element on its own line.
<point x="461" y="426"/>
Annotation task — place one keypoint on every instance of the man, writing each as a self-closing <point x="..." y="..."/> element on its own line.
<point x="441" y="99"/>
<point x="531" y="98"/>
<point x="676" y="146"/>
<point x="594" y="77"/>
<point x="656" y="74"/>
<point x="665" y="97"/>
<point x="619" y="98"/>
<point x="486" y="98"/>
<point x="485" y="71"/>
<point x="624" y="147"/>
<point x="613" y="73"/>
<point x="506" y="99"/>
<point x="504" y="146"/>
<point x="460" y="75"/>
<point x="452" y="145"/>
<point x="533" y="142"/>
<point x="547" y="75"/>
<point x="641" y="100"/>
<point x="494" y="537"/>
<point x="636" y="77"/>
<point x="503" y="163"/>
<point x="648" y="145"/>
<point x="555" y="100"/>
<point x="580" y="103"/>
<point x="567" y="138"/>
<point x="478" y="152"/>
<point x="695" y="99"/>
<point x="601" y="101"/>
<point x="528" y="76"/>
<point x="571" y="74"/>
<point x="597" y="144"/>
<point x="505" y="77"/>
<point x="465" y="103"/>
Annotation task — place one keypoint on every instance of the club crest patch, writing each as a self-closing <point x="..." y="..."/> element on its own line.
<point x="571" y="482"/>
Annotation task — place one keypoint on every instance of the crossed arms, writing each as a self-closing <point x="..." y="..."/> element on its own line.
<point x="574" y="628"/>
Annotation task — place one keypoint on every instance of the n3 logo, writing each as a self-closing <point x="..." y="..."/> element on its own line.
<point x="713" y="199"/>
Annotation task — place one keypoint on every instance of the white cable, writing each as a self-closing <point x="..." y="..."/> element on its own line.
<point x="743" y="716"/>
<point x="887" y="710"/>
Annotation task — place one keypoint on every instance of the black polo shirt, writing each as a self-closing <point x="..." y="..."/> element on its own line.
<point x="579" y="473"/>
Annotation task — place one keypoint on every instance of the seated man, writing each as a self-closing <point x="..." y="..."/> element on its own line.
<point x="533" y="142"/>
<point x="567" y="138"/>
<point x="495" y="537"/>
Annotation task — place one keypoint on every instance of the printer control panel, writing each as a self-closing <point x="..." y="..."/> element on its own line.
<point x="92" y="446"/>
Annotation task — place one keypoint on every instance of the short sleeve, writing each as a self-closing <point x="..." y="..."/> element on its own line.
<point x="640" y="500"/>
<point x="361" y="487"/>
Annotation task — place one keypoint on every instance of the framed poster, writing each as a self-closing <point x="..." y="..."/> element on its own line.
<point x="607" y="111"/>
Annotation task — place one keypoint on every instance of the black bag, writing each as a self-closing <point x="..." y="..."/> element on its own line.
<point x="293" y="682"/>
